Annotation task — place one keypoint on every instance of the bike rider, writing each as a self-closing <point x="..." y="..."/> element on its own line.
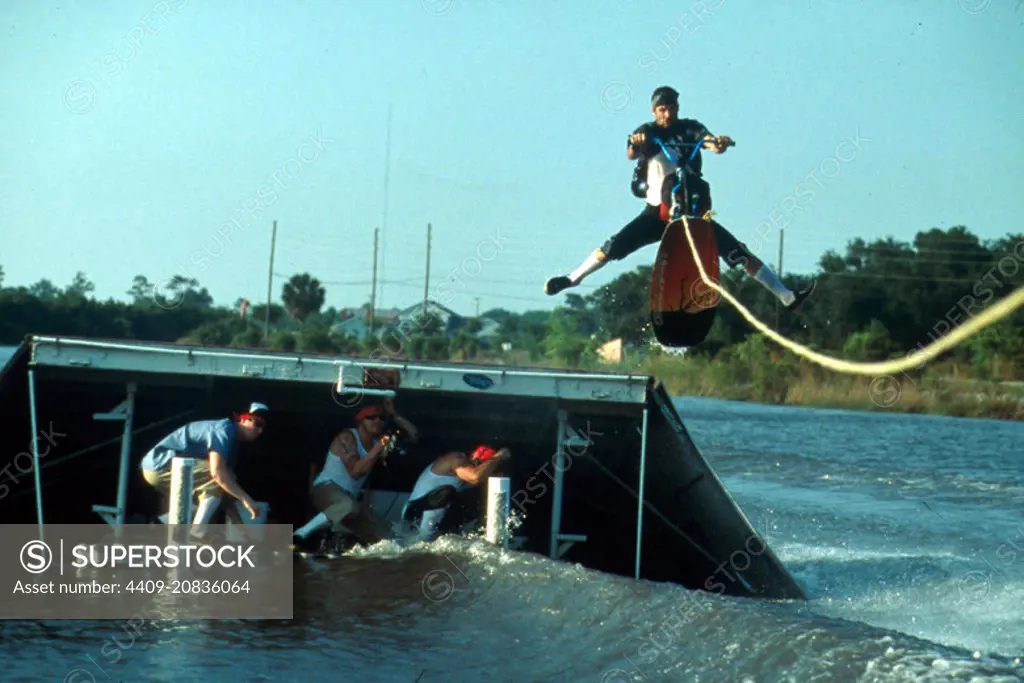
<point x="653" y="180"/>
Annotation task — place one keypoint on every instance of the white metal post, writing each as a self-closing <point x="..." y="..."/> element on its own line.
<point x="640" y="494"/>
<point x="126" y="455"/>
<point x="180" y="512"/>
<point x="556" y="506"/>
<point x="35" y="449"/>
<point x="498" y="509"/>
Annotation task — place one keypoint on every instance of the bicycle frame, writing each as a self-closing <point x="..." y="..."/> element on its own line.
<point x="676" y="209"/>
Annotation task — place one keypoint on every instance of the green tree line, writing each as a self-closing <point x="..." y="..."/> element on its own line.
<point x="878" y="300"/>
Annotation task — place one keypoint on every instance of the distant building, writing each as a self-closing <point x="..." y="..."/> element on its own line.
<point x="489" y="328"/>
<point x="355" y="322"/>
<point x="611" y="352"/>
<point x="412" y="318"/>
<point x="355" y="327"/>
<point x="408" y="321"/>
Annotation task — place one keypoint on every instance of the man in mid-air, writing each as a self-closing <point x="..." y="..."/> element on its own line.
<point x="653" y="180"/>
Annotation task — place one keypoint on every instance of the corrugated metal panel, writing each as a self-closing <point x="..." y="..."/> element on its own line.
<point x="170" y="359"/>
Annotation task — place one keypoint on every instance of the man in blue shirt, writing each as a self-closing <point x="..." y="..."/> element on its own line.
<point x="213" y="444"/>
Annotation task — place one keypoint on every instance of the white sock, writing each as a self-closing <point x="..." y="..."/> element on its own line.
<point x="593" y="262"/>
<point x="207" y="507"/>
<point x="315" y="524"/>
<point x="768" y="278"/>
<point x="428" y="525"/>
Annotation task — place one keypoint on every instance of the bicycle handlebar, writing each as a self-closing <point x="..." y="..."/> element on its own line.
<point x="696" y="147"/>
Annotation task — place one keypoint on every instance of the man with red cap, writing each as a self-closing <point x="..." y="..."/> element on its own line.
<point x="213" y="443"/>
<point x="434" y="492"/>
<point x="351" y="457"/>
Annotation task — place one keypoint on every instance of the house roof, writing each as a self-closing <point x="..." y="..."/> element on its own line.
<point x="431" y="303"/>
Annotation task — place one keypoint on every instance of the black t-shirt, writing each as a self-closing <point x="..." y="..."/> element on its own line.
<point x="677" y="138"/>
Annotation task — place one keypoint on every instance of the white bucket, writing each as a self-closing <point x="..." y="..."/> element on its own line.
<point x="261" y="518"/>
<point x="263" y="508"/>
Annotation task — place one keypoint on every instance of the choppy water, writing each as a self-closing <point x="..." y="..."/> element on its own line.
<point x="907" y="532"/>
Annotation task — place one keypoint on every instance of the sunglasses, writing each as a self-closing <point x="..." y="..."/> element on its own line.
<point x="376" y="416"/>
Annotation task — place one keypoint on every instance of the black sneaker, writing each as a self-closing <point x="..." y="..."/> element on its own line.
<point x="802" y="295"/>
<point x="303" y="545"/>
<point x="557" y="284"/>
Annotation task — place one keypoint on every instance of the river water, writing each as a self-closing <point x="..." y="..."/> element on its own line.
<point x="906" y="531"/>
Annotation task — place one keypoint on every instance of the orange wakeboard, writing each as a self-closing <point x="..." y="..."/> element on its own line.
<point x="676" y="285"/>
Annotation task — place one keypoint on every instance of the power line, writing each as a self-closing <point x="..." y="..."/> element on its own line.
<point x="426" y="278"/>
<point x="352" y="282"/>
<point x="412" y="283"/>
<point x="906" y="277"/>
<point x="929" y="257"/>
<point x="926" y="250"/>
<point x="903" y="262"/>
<point x="384" y="212"/>
<point x="270" y="284"/>
<point x="941" y="240"/>
<point x="918" y="259"/>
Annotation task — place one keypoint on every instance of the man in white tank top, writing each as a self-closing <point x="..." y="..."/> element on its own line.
<point x="352" y="456"/>
<point x="432" y="496"/>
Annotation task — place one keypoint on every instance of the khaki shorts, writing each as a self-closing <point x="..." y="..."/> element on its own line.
<point x="334" y="501"/>
<point x="341" y="507"/>
<point x="203" y="485"/>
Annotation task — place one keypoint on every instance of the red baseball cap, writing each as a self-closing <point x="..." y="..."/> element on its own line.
<point x="369" y="411"/>
<point x="483" y="453"/>
<point x="257" y="411"/>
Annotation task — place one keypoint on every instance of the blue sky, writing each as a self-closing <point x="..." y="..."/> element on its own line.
<point x="163" y="138"/>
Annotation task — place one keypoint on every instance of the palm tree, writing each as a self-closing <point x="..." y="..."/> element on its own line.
<point x="303" y="295"/>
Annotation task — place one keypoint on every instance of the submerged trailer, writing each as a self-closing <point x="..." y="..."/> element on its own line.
<point x="603" y="473"/>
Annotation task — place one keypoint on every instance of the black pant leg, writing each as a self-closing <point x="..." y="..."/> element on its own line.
<point x="647" y="228"/>
<point x="731" y="250"/>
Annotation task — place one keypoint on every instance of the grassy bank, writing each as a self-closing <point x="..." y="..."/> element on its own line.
<point x="757" y="372"/>
<point x="937" y="391"/>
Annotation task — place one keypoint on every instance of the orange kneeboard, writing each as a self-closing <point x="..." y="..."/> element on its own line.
<point x="676" y="284"/>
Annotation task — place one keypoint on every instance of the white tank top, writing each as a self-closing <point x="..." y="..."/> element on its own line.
<point x="334" y="470"/>
<point x="430" y="481"/>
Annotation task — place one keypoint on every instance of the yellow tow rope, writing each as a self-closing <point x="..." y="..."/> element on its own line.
<point x="989" y="316"/>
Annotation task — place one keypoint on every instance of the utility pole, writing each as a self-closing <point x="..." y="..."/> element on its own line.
<point x="387" y="185"/>
<point x="270" y="283"/>
<point x="782" y="236"/>
<point x="476" y="300"/>
<point x="426" y="281"/>
<point x="373" y="290"/>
